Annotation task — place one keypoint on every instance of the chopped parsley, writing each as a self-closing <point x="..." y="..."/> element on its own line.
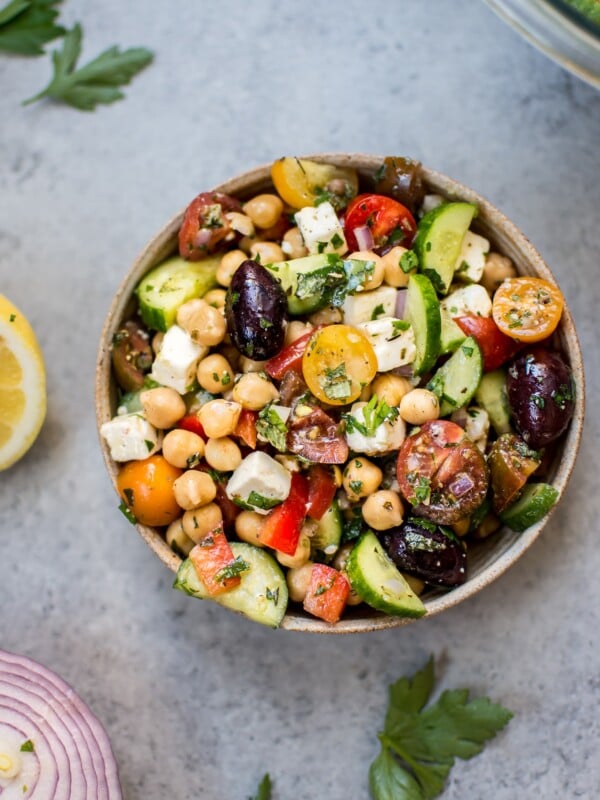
<point x="356" y="486"/>
<point x="193" y="460"/>
<point x="468" y="351"/>
<point x="128" y="513"/>
<point x="421" y="487"/>
<point x="563" y="396"/>
<point x="273" y="595"/>
<point x="399" y="326"/>
<point x="538" y="400"/>
<point x="336" y="240"/>
<point x="374" y="414"/>
<point x="149" y="445"/>
<point x="257" y="500"/>
<point x="408" y="261"/>
<point x="271" y="428"/>
<point x="265" y="324"/>
<point x="378" y="311"/>
<point x="12" y="318"/>
<point x="232" y="570"/>
<point x="27" y="747"/>
<point x="335" y="382"/>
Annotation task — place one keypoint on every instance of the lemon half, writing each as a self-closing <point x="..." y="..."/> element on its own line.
<point x="22" y="385"/>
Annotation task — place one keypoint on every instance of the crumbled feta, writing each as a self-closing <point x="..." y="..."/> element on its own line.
<point x="478" y="426"/>
<point x="131" y="437"/>
<point x="259" y="483"/>
<point x="388" y="436"/>
<point x="393" y="341"/>
<point x="431" y="201"/>
<point x="175" y="365"/>
<point x="471" y="260"/>
<point x="366" y="306"/>
<point x="321" y="229"/>
<point x="472" y="299"/>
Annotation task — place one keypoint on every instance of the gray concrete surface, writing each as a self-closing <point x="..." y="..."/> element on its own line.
<point x="199" y="703"/>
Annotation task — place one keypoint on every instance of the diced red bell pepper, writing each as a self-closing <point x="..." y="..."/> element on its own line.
<point x="212" y="557"/>
<point x="495" y="346"/>
<point x="290" y="358"/>
<point x="246" y="427"/>
<point x="327" y="594"/>
<point x="191" y="423"/>
<point x="321" y="491"/>
<point x="281" y="529"/>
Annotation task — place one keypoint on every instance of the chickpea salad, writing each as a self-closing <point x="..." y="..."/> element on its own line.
<point x="332" y="390"/>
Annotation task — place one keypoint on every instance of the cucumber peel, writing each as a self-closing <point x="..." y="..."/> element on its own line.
<point x="422" y="311"/>
<point x="439" y="240"/>
<point x="457" y="380"/>
<point x="535" y="502"/>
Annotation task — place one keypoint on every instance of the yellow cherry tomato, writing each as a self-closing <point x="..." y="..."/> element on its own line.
<point x="527" y="309"/>
<point x="146" y="488"/>
<point x="299" y="181"/>
<point x="339" y="361"/>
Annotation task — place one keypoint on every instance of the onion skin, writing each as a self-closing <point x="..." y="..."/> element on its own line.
<point x="71" y="756"/>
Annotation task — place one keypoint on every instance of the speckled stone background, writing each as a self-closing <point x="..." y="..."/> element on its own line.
<point x="199" y="703"/>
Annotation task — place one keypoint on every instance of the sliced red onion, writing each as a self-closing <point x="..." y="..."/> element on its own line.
<point x="405" y="371"/>
<point x="71" y="757"/>
<point x="364" y="237"/>
<point x="401" y="303"/>
<point x="460" y="417"/>
<point x="462" y="484"/>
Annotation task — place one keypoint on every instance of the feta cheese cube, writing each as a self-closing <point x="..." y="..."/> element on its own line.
<point x="366" y="306"/>
<point x="478" y="426"/>
<point x="431" y="201"/>
<point x="471" y="259"/>
<point x="388" y="436"/>
<point x="131" y="437"/>
<point x="175" y="365"/>
<point x="321" y="229"/>
<point x="393" y="341"/>
<point x="472" y="299"/>
<point x="259" y="483"/>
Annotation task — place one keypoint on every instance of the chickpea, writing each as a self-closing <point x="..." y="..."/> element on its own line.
<point x="419" y="406"/>
<point x="194" y="489"/>
<point x="300" y="557"/>
<point x="200" y="521"/>
<point x="496" y="269"/>
<point x="376" y="278"/>
<point x="223" y="454"/>
<point x="177" y="538"/>
<point x="183" y="449"/>
<point x="229" y="264"/>
<point x="383" y="510"/>
<point x="216" y="298"/>
<point x="248" y="525"/>
<point x="393" y="274"/>
<point x="295" y="329"/>
<point x="266" y="252"/>
<point x="219" y="417"/>
<point x="391" y="388"/>
<point x="157" y="341"/>
<point x="293" y="244"/>
<point x="365" y="394"/>
<point x="264" y="210"/>
<point x="248" y="365"/>
<point x="240" y="223"/>
<point x="416" y="584"/>
<point x="205" y="324"/>
<point x="163" y="407"/>
<point x="254" y="391"/>
<point x="361" y="478"/>
<point x="298" y="581"/>
<point x="326" y="316"/>
<point x="215" y="374"/>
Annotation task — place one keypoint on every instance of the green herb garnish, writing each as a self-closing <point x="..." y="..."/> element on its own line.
<point x="127" y="512"/>
<point x="27" y="747"/>
<point x="264" y="789"/>
<point x="27" y="25"/>
<point x="374" y="414"/>
<point x="378" y="311"/>
<point x="232" y="570"/>
<point x="271" y="427"/>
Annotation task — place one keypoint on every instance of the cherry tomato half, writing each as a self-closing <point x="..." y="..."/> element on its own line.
<point x="317" y="438"/>
<point x="146" y="488"/>
<point x="527" y="309"/>
<point x="388" y="220"/>
<point x="301" y="182"/>
<point x="442" y="473"/>
<point x="205" y="225"/>
<point x="496" y="347"/>
<point x="339" y="361"/>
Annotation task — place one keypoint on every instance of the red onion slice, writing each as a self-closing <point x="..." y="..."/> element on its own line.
<point x="364" y="237"/>
<point x="401" y="303"/>
<point x="71" y="757"/>
<point x="462" y="484"/>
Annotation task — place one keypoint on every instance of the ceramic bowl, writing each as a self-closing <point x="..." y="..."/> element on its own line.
<point x="489" y="558"/>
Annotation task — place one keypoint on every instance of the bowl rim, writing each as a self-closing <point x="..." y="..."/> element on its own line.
<point x="257" y="179"/>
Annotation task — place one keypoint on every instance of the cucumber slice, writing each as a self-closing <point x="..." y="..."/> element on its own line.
<point x="439" y="240"/>
<point x="492" y="396"/>
<point x="374" y="576"/>
<point x="535" y="502"/>
<point x="422" y="310"/>
<point x="457" y="380"/>
<point x="451" y="335"/>
<point x="261" y="596"/>
<point x="326" y="539"/>
<point x="162" y="290"/>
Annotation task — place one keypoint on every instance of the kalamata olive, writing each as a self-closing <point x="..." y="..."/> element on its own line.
<point x="255" y="309"/>
<point x="131" y="355"/>
<point x="540" y="392"/>
<point x="428" y="552"/>
<point x="401" y="178"/>
<point x="511" y="461"/>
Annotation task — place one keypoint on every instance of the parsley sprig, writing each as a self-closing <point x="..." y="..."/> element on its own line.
<point x="374" y="414"/>
<point x="27" y="25"/>
<point x="97" y="82"/>
<point x="419" y="744"/>
<point x="264" y="789"/>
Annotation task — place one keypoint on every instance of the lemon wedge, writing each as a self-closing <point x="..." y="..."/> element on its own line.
<point x="22" y="385"/>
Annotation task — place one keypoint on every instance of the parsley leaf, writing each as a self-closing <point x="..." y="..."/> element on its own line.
<point x="264" y="789"/>
<point x="270" y="427"/>
<point x="27" y="25"/>
<point x="374" y="414"/>
<point x="419" y="743"/>
<point x="96" y="82"/>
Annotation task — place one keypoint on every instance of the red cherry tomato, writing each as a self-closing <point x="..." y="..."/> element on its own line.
<point x="204" y="224"/>
<point x="388" y="220"/>
<point x="290" y="358"/>
<point x="496" y="348"/>
<point x="246" y="427"/>
<point x="442" y="473"/>
<point x="321" y="491"/>
<point x="317" y="438"/>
